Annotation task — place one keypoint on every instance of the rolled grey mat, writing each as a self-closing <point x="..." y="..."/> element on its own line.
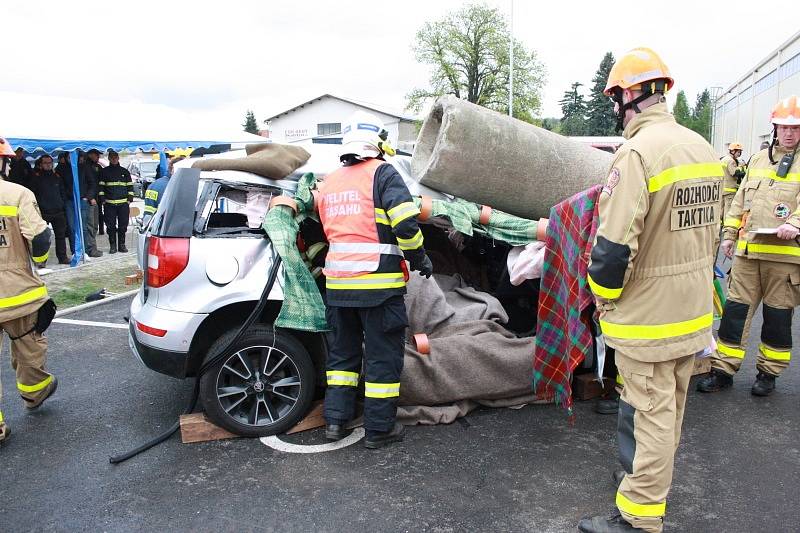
<point x="482" y="156"/>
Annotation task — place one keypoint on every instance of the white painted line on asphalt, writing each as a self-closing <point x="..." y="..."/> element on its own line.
<point x="89" y="305"/>
<point x="113" y="325"/>
<point x="277" y="444"/>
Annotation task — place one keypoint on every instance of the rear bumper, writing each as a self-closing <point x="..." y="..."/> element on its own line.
<point x="173" y="364"/>
<point x="168" y="354"/>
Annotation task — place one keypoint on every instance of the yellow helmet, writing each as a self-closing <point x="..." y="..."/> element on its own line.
<point x="635" y="68"/>
<point x="734" y="146"/>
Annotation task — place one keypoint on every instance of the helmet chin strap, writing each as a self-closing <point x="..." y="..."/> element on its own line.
<point x="773" y="143"/>
<point x="4" y="167"/>
<point x="648" y="90"/>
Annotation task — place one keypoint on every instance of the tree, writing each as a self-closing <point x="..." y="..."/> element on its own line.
<point x="468" y="51"/>
<point x="573" y="107"/>
<point x="683" y="115"/>
<point x="250" y="123"/>
<point x="600" y="116"/>
<point x="701" y="115"/>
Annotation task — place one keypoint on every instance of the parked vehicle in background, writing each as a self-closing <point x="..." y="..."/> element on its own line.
<point x="143" y="173"/>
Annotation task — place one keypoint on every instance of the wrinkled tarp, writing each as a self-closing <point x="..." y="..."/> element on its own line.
<point x="472" y="356"/>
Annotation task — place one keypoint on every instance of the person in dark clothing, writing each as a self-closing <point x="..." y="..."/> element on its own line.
<point x="48" y="188"/>
<point x="89" y="182"/>
<point x="20" y="169"/>
<point x="116" y="193"/>
<point x="64" y="171"/>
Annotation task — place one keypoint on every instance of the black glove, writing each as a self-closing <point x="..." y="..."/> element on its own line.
<point x="423" y="266"/>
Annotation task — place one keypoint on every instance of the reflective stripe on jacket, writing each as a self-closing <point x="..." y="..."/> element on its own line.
<point x="22" y="291"/>
<point x="116" y="186"/>
<point x="768" y="200"/>
<point x="651" y="264"/>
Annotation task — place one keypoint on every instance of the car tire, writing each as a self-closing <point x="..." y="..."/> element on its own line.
<point x="239" y="392"/>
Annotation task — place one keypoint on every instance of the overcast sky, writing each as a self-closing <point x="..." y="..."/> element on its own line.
<point x="217" y="59"/>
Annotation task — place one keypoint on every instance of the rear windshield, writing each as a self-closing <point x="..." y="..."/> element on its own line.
<point x="231" y="209"/>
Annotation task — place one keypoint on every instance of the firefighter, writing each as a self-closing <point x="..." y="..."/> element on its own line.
<point x="155" y="192"/>
<point x="733" y="175"/>
<point x="116" y="193"/>
<point x="651" y="274"/>
<point x="24" y="237"/>
<point x="369" y="220"/>
<point x="766" y="268"/>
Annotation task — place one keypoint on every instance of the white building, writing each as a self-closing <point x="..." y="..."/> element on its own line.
<point x="319" y="121"/>
<point x="742" y="112"/>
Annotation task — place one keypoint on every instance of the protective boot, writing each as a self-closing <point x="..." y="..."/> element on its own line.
<point x="112" y="243"/>
<point x="599" y="524"/>
<point x="379" y="440"/>
<point x="607" y="406"/>
<point x="618" y="476"/>
<point x="48" y="391"/>
<point x="121" y="241"/>
<point x="715" y="381"/>
<point x="4" y="431"/>
<point x="764" y="385"/>
<point x="335" y="431"/>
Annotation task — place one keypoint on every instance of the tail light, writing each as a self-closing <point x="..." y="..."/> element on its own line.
<point x="167" y="257"/>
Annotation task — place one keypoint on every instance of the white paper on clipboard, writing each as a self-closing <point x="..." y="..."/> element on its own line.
<point x="766" y="231"/>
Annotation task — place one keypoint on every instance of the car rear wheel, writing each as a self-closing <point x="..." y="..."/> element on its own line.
<point x="263" y="386"/>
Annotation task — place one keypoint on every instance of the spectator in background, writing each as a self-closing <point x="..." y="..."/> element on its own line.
<point x="48" y="188"/>
<point x="64" y="171"/>
<point x="89" y="180"/>
<point x="20" y="168"/>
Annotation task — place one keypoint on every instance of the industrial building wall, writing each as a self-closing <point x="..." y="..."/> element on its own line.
<point x="742" y="112"/>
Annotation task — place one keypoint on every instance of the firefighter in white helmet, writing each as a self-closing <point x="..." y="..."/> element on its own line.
<point x="369" y="220"/>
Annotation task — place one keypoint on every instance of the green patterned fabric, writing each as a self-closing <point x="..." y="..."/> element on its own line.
<point x="303" y="307"/>
<point x="464" y="217"/>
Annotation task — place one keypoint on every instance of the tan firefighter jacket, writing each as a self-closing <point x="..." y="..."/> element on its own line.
<point x="765" y="201"/>
<point x="22" y="233"/>
<point x="651" y="266"/>
<point x="729" y="184"/>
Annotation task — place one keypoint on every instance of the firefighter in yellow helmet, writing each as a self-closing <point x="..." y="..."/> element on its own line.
<point x="651" y="272"/>
<point x="24" y="238"/>
<point x="765" y="217"/>
<point x="733" y="175"/>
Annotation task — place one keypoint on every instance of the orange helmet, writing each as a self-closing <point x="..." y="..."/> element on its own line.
<point x="734" y="146"/>
<point x="636" y="67"/>
<point x="787" y="112"/>
<point x="5" y="148"/>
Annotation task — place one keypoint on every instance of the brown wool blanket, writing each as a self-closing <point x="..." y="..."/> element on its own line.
<point x="473" y="359"/>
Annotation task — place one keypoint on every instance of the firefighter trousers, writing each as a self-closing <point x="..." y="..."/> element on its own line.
<point x="28" y="357"/>
<point x="777" y="286"/>
<point x="116" y="217"/>
<point x="376" y="336"/>
<point x="648" y="432"/>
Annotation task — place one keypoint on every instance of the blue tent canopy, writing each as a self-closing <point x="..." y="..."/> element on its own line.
<point x="53" y="146"/>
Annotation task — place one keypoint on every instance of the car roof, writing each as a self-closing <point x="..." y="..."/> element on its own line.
<point x="324" y="159"/>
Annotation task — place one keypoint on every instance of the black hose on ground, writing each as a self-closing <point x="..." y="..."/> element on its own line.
<point x="262" y="302"/>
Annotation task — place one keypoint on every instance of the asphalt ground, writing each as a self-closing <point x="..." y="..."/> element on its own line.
<point x="737" y="467"/>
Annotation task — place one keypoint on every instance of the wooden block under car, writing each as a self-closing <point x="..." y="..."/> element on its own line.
<point x="131" y="279"/>
<point x="196" y="427"/>
<point x="586" y="387"/>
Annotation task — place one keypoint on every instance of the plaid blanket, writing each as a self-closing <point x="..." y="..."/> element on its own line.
<point x="563" y="339"/>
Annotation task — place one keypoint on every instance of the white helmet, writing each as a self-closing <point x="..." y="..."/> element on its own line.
<point x="362" y="136"/>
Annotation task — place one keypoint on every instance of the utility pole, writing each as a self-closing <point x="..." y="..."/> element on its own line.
<point x="511" y="66"/>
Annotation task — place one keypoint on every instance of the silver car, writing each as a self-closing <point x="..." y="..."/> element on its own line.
<point x="206" y="261"/>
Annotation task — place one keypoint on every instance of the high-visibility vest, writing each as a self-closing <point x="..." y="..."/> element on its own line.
<point x="347" y="211"/>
